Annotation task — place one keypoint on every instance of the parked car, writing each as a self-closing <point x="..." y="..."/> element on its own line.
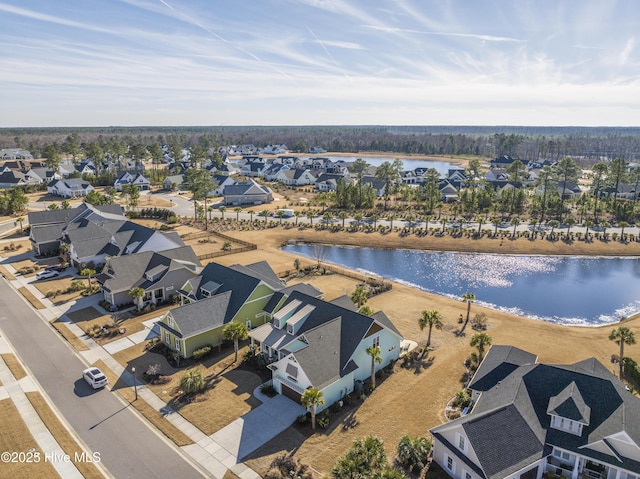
<point x="95" y="378"/>
<point x="46" y="274"/>
<point x="55" y="267"/>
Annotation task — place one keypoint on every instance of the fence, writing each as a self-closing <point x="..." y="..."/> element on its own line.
<point x="226" y="252"/>
<point x="205" y="234"/>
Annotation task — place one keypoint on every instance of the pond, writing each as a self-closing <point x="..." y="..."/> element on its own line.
<point x="561" y="289"/>
<point x="408" y="164"/>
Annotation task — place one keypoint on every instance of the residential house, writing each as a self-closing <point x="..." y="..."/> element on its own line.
<point x="173" y="182"/>
<point x="448" y="192"/>
<point x="254" y="167"/>
<point x="501" y="162"/>
<point x="218" y="296"/>
<point x="570" y="191"/>
<point x="94" y="237"/>
<point x="329" y="181"/>
<point x="377" y="184"/>
<point x="531" y="419"/>
<point x="271" y="172"/>
<point x="320" y="344"/>
<point x="159" y="274"/>
<point x="457" y="177"/>
<point x="247" y="193"/>
<point x="222" y="181"/>
<point x="275" y="149"/>
<point x="13" y="178"/>
<point x="46" y="227"/>
<point x="317" y="150"/>
<point x="295" y="177"/>
<point x="69" y="188"/>
<point x="131" y="178"/>
<point x="15" y="154"/>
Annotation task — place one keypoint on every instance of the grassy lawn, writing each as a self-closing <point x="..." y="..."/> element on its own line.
<point x="16" y="437"/>
<point x="14" y="366"/>
<point x="6" y="273"/>
<point x="62" y="435"/>
<point x="229" y="386"/>
<point x="144" y="408"/>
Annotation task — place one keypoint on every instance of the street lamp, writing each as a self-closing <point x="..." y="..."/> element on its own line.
<point x="135" y="386"/>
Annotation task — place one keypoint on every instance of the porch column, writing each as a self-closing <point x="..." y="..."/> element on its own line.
<point x="574" y="473"/>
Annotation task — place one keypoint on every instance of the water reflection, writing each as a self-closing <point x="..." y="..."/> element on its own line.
<point x="569" y="290"/>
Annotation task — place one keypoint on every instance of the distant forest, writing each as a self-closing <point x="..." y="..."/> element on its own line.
<point x="585" y="144"/>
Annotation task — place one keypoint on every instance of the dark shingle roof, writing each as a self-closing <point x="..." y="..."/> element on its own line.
<point x="200" y="316"/>
<point x="530" y="392"/>
<point x="498" y="364"/>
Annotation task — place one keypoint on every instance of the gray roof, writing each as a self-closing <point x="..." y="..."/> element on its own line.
<point x="496" y="366"/>
<point x="201" y="316"/>
<point x="129" y="271"/>
<point x="329" y="358"/>
<point x="344" y="301"/>
<point x="517" y="406"/>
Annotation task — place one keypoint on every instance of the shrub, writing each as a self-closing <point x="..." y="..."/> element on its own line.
<point x="198" y="354"/>
<point x="268" y="389"/>
<point x="323" y="421"/>
<point x="192" y="381"/>
<point x="413" y="453"/>
<point x="302" y="419"/>
<point x="78" y="285"/>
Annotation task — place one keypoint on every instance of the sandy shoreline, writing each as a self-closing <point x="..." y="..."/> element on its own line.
<point x="429" y="387"/>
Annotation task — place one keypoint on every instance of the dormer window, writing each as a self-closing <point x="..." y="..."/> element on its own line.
<point x="568" y="410"/>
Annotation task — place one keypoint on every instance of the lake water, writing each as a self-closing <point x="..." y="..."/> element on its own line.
<point x="409" y="164"/>
<point x="568" y="290"/>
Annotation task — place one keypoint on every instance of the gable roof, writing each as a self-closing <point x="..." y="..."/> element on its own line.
<point x="201" y="316"/>
<point x="499" y="362"/>
<point x="129" y="271"/>
<point x="528" y="394"/>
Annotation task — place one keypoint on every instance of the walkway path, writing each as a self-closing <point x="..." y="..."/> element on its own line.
<point x="215" y="453"/>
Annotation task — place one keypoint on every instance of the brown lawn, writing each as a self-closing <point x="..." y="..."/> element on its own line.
<point x="14" y="366"/>
<point x="128" y="322"/>
<point x="10" y="249"/>
<point x="62" y="436"/>
<point x="61" y="284"/>
<point x="145" y="409"/>
<point x="29" y="296"/>
<point x="16" y="437"/>
<point x="229" y="386"/>
<point x="66" y="333"/>
<point x="412" y="400"/>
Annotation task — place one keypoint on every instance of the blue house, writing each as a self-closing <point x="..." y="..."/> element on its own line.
<point x="314" y="343"/>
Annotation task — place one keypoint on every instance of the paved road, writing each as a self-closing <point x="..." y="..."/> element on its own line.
<point x="128" y="448"/>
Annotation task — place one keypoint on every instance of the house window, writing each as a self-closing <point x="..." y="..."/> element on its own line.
<point x="376" y="342"/>
<point x="158" y="293"/>
<point x="461" y="442"/>
<point x="450" y="464"/>
<point x="167" y="339"/>
<point x="467" y="475"/>
<point x="248" y="324"/>
<point x="177" y="344"/>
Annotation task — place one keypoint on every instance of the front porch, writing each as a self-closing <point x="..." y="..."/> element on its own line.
<point x="579" y="468"/>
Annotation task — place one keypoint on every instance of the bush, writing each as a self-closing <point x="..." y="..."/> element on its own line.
<point x="302" y="419"/>
<point x="285" y="466"/>
<point x="198" y="354"/>
<point x="268" y="389"/>
<point x="323" y="421"/>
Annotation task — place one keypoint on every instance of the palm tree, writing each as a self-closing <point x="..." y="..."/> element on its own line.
<point x="554" y="224"/>
<point x="297" y="214"/>
<point x="251" y="213"/>
<point x="587" y="224"/>
<point x="430" y="319"/>
<point x="623" y="225"/>
<point x="311" y="399"/>
<point x="515" y="222"/>
<point x="390" y="218"/>
<point x="496" y="222"/>
<point x="376" y="357"/>
<point x="343" y="215"/>
<point x="480" y="341"/>
<point x="222" y="209"/>
<point x="237" y="210"/>
<point x="468" y="298"/>
<point x="137" y="294"/>
<point x="20" y="219"/>
<point x="265" y="213"/>
<point x="569" y="222"/>
<point x="375" y="219"/>
<point x="88" y="272"/>
<point x="413" y="452"/>
<point x="360" y="296"/>
<point x="310" y="215"/>
<point x="280" y="214"/>
<point x="622" y="335"/>
<point x="365" y="311"/>
<point x="192" y="381"/>
<point x="235" y="332"/>
<point x="480" y="220"/>
<point x="605" y="225"/>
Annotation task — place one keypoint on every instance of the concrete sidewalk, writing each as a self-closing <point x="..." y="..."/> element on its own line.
<point x="15" y="390"/>
<point x="215" y="453"/>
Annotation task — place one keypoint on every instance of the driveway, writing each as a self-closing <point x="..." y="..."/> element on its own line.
<point x="257" y="427"/>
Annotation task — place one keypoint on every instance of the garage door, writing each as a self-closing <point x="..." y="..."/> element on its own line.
<point x="290" y="393"/>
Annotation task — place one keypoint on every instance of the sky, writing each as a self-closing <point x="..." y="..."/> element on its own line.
<point x="319" y="62"/>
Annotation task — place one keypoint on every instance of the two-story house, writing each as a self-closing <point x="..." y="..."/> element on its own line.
<point x="320" y="344"/>
<point x="530" y="419"/>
